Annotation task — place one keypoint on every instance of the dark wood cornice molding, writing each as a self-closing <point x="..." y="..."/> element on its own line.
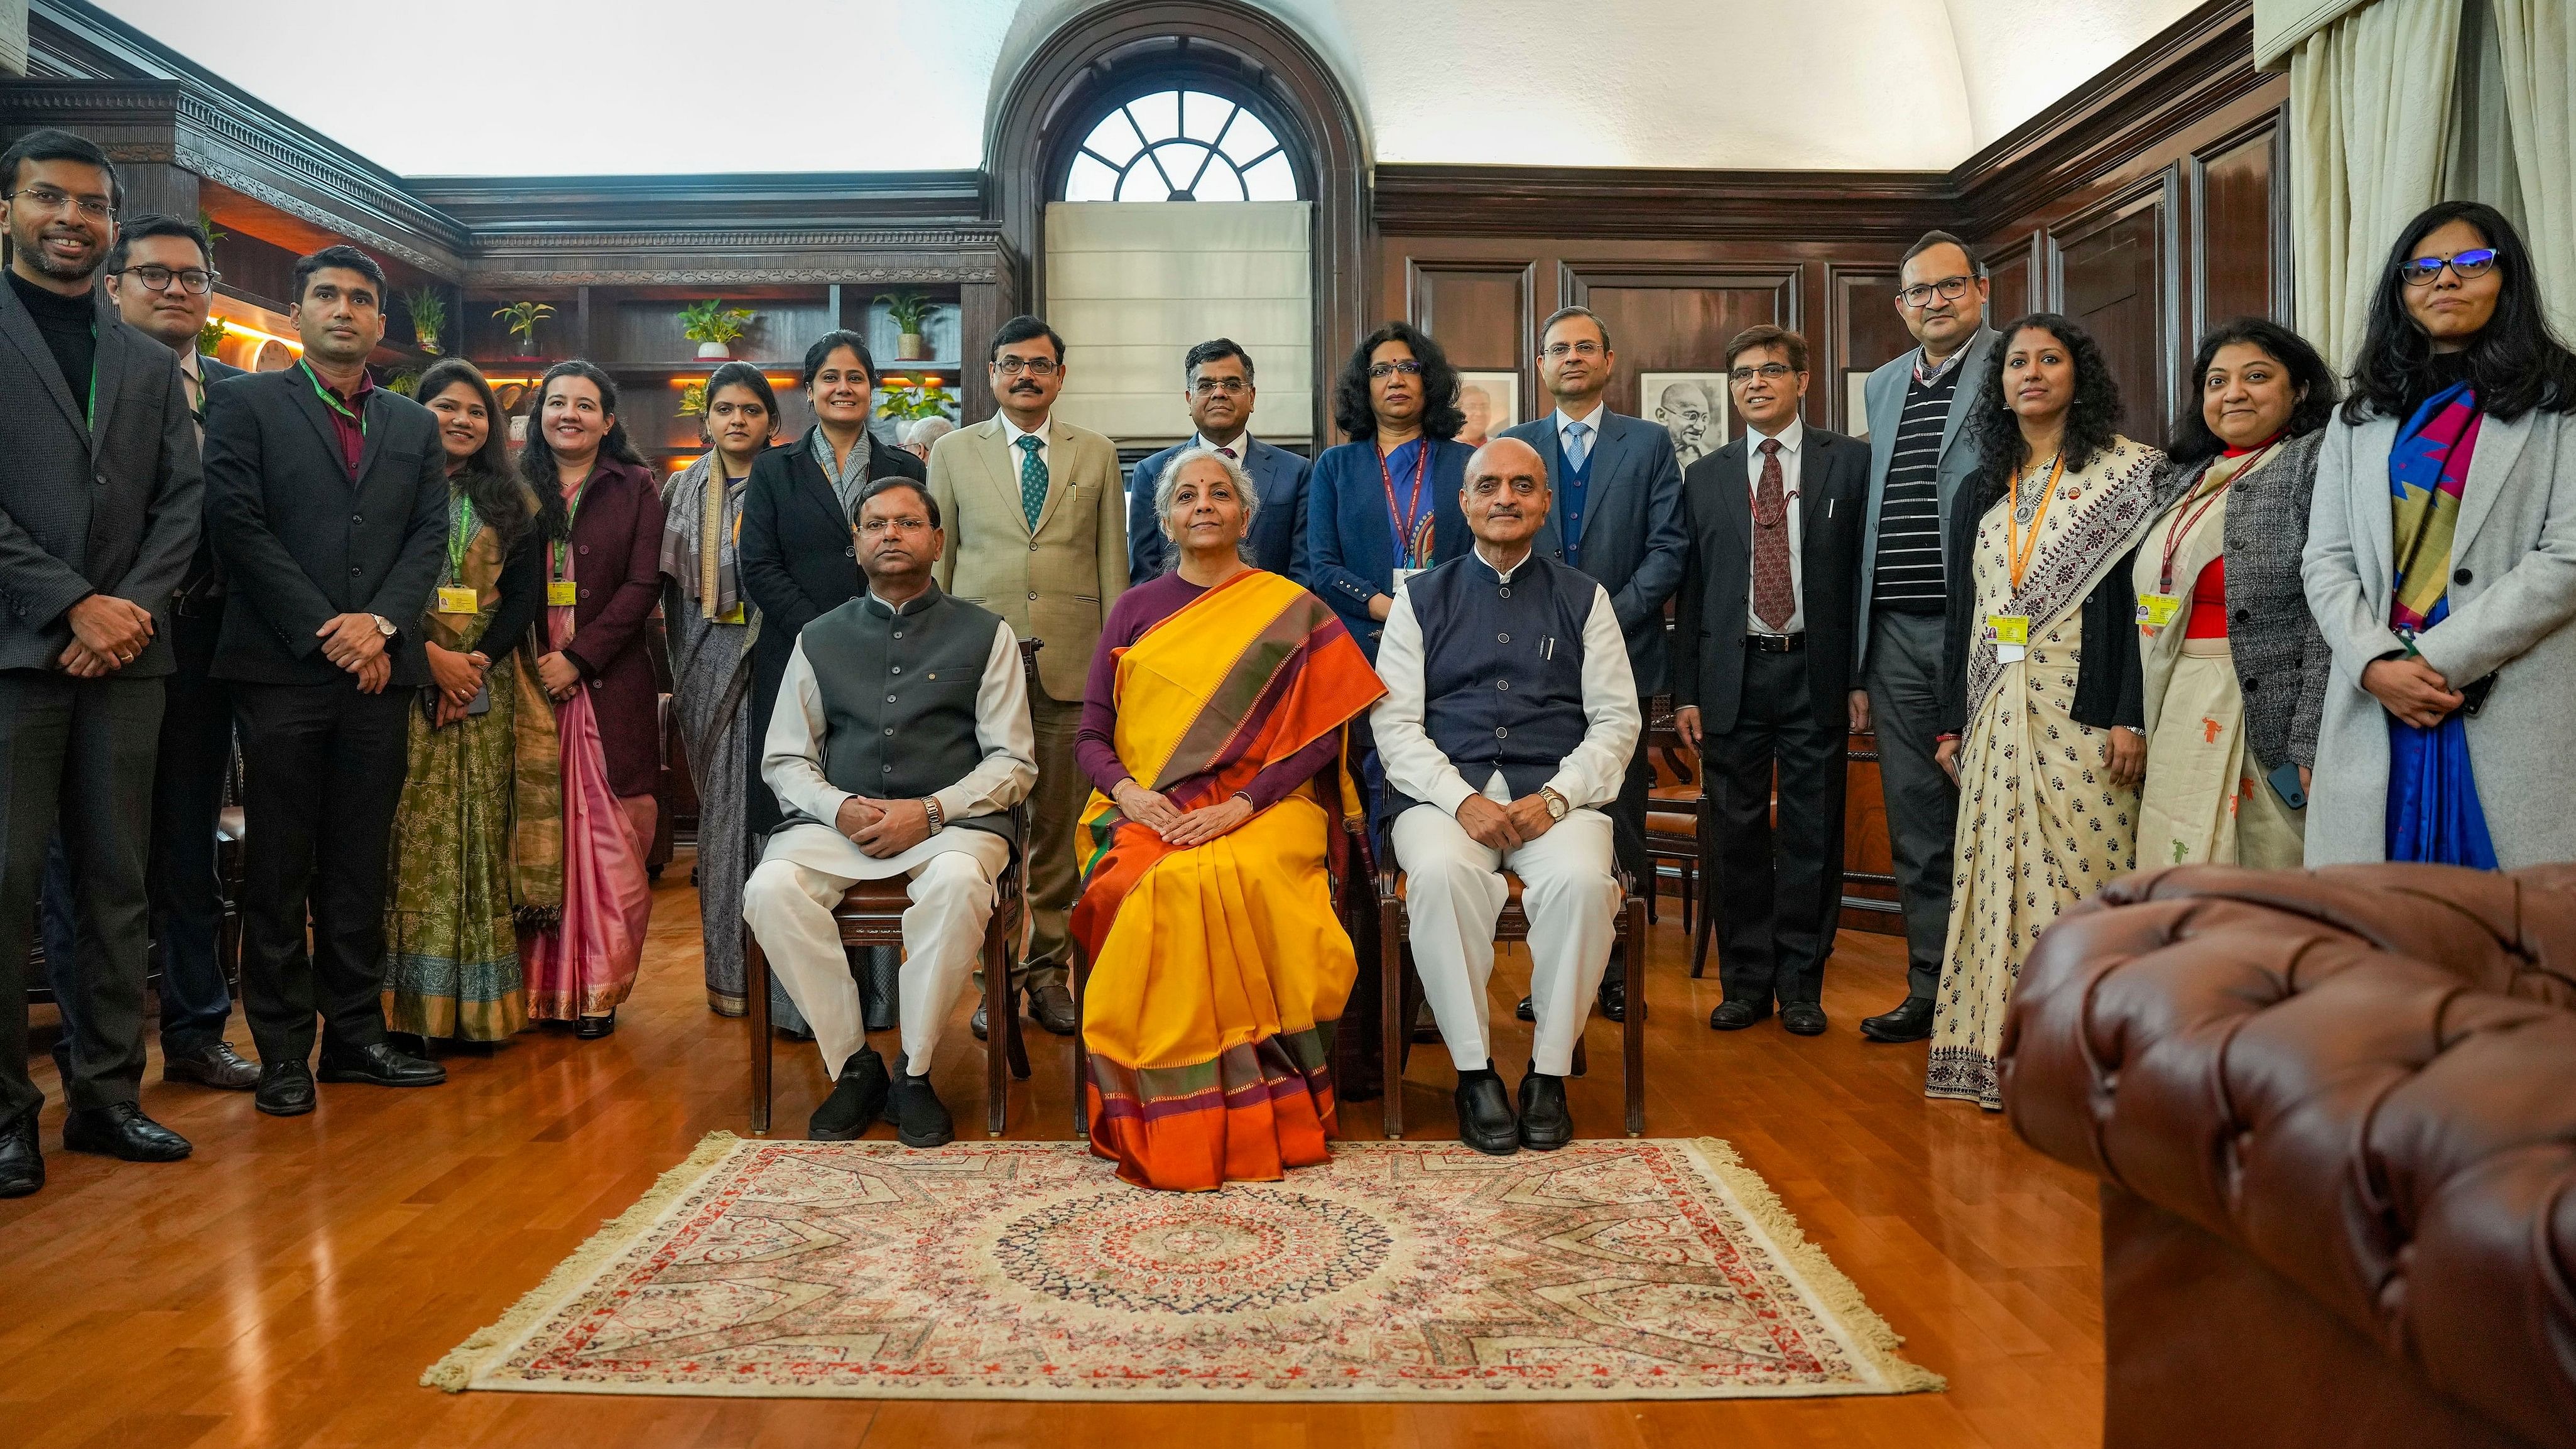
<point x="506" y="205"/>
<point x="1614" y="202"/>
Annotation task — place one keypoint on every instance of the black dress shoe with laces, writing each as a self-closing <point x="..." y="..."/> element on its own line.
<point x="120" y="1130"/>
<point x="285" y="1089"/>
<point x="215" y="1064"/>
<point x="920" y="1119"/>
<point x="1485" y="1120"/>
<point x="857" y="1097"/>
<point x="1546" y="1124"/>
<point x="1737" y="1015"/>
<point x="378" y="1065"/>
<point x="1909" y="1022"/>
<point x="22" y="1164"/>
<point x="1803" y="1018"/>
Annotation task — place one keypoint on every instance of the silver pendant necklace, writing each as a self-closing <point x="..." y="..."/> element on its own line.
<point x="2026" y="501"/>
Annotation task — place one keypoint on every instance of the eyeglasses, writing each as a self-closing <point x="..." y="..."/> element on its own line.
<point x="878" y="527"/>
<point x="1919" y="296"/>
<point x="195" y="281"/>
<point x="52" y="198"/>
<point x="2425" y="271"/>
<point x="1380" y="371"/>
<point x="1587" y="349"/>
<point x="1768" y="372"/>
<point x="1230" y="386"/>
<point x="1033" y="366"/>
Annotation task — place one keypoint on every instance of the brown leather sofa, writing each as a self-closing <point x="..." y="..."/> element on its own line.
<point x="2334" y="1115"/>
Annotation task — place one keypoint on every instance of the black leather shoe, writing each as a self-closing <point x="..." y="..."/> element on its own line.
<point x="592" y="1028"/>
<point x="1909" y="1022"/>
<point x="1485" y="1119"/>
<point x="1525" y="1011"/>
<point x="285" y="1089"/>
<point x="379" y="1066"/>
<point x="22" y="1163"/>
<point x="1737" y="1015"/>
<point x="975" y="1024"/>
<point x="856" y="1099"/>
<point x="1803" y="1018"/>
<point x="1052" y="1007"/>
<point x="214" y="1065"/>
<point x="1614" y="992"/>
<point x="1546" y="1125"/>
<point x="920" y="1119"/>
<point x="120" y="1130"/>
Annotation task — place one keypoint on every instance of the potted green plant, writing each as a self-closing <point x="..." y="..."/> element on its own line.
<point x="211" y="336"/>
<point x="903" y="399"/>
<point x="910" y="313"/>
<point x="522" y="318"/>
<point x="714" y="326"/>
<point x="428" y="313"/>
<point x="693" y="399"/>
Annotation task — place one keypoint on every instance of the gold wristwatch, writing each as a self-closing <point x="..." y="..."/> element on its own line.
<point x="1558" y="807"/>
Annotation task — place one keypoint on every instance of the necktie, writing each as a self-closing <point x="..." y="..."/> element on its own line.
<point x="1033" y="480"/>
<point x="1228" y="452"/>
<point x="1775" y="598"/>
<point x="1576" y="450"/>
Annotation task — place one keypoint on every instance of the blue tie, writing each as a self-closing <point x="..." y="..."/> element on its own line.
<point x="1575" y="449"/>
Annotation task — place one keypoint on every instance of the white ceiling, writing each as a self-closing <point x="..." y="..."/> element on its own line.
<point x="555" y="87"/>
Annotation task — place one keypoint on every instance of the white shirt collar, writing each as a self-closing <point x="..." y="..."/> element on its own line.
<point x="1242" y="444"/>
<point x="1790" y="437"/>
<point x="1531" y="552"/>
<point x="1012" y="433"/>
<point x="1590" y="420"/>
<point x="188" y="363"/>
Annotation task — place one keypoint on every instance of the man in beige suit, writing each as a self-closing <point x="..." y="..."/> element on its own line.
<point x="1037" y="533"/>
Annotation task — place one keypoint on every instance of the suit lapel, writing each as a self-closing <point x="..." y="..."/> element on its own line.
<point x="2374" y="543"/>
<point x="2499" y="446"/>
<point x="301" y="387"/>
<point x="1964" y="396"/>
<point x="1002" y="470"/>
<point x="1059" y="463"/>
<point x="373" y="432"/>
<point x="108" y="371"/>
<point x="19" y="326"/>
<point x="1605" y="468"/>
<point x="815" y="484"/>
<point x="1734" y="499"/>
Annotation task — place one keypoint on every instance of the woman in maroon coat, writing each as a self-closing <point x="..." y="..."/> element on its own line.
<point x="603" y="522"/>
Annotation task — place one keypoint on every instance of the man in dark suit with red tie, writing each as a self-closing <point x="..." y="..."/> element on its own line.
<point x="1762" y="680"/>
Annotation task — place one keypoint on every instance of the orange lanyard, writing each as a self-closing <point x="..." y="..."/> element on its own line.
<point x="2021" y="551"/>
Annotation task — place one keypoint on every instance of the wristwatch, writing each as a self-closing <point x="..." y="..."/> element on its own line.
<point x="930" y="810"/>
<point x="1557" y="805"/>
<point x="384" y="626"/>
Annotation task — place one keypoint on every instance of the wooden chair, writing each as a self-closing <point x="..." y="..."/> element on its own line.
<point x="871" y="914"/>
<point x="1672" y="810"/>
<point x="1401" y="987"/>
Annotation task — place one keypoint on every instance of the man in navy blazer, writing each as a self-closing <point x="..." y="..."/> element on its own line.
<point x="1219" y="375"/>
<point x="1617" y="516"/>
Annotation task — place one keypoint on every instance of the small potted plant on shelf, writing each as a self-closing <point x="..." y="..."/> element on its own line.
<point x="714" y="326"/>
<point x="903" y="399"/>
<point x="428" y="313"/>
<point x="693" y="399"/>
<point x="522" y="318"/>
<point x="212" y="336"/>
<point x="910" y="313"/>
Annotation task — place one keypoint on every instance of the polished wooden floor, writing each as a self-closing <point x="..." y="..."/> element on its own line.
<point x="289" y="1283"/>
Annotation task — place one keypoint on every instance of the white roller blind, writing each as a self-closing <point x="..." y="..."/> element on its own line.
<point x="1132" y="285"/>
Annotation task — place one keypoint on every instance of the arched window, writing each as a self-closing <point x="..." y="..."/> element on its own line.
<point x="1180" y="145"/>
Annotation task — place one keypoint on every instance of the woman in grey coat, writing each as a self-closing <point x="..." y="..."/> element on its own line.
<point x="2234" y="668"/>
<point x="2441" y="564"/>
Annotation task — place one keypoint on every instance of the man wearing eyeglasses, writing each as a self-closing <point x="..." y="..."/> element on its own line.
<point x="1218" y="379"/>
<point x="1616" y="515"/>
<point x="1918" y="456"/>
<point x="1037" y="533"/>
<point x="1762" y="652"/>
<point x="99" y="512"/>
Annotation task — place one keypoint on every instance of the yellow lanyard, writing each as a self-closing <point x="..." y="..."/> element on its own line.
<point x="2019" y="550"/>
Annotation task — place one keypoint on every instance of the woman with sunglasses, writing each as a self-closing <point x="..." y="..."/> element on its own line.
<point x="2441" y="564"/>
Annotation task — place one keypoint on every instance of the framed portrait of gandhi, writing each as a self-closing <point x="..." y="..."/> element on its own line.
<point x="1690" y="406"/>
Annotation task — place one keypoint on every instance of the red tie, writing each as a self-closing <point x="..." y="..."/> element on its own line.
<point x="1775" y="597"/>
<point x="1229" y="452"/>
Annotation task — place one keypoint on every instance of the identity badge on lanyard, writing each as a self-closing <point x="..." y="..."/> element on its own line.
<point x="453" y="598"/>
<point x="2011" y="632"/>
<point x="560" y="592"/>
<point x="2158" y="609"/>
<point x="1412" y="522"/>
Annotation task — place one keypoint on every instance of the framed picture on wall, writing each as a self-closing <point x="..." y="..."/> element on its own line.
<point x="1856" y="404"/>
<point x="1690" y="405"/>
<point x="1491" y="401"/>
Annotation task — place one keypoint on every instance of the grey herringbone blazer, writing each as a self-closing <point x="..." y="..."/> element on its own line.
<point x="2282" y="663"/>
<point x="107" y="502"/>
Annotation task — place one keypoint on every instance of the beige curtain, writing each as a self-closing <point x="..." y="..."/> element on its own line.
<point x="2538" y="40"/>
<point x="2370" y="116"/>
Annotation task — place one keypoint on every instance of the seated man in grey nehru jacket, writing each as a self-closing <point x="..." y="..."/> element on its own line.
<point x="1509" y="717"/>
<point x="900" y="743"/>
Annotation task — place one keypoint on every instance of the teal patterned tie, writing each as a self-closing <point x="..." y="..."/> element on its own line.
<point x="1033" y="479"/>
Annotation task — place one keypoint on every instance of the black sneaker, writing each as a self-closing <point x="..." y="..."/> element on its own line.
<point x="920" y="1119"/>
<point x="856" y="1099"/>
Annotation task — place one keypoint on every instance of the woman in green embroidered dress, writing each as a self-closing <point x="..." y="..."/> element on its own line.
<point x="478" y="843"/>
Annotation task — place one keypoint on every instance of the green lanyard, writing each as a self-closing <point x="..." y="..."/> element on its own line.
<point x="460" y="535"/>
<point x="572" y="510"/>
<point x="329" y="400"/>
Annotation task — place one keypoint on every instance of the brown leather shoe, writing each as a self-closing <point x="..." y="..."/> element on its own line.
<point x="1052" y="1007"/>
<point x="215" y="1065"/>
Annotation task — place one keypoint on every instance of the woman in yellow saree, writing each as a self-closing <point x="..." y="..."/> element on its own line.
<point x="1212" y="728"/>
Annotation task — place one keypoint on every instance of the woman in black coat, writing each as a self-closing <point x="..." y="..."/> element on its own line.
<point x="798" y="557"/>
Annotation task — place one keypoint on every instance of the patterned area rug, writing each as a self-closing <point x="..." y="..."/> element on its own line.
<point x="1025" y="1270"/>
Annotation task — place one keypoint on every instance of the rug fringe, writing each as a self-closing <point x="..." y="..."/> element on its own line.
<point x="1872" y="1334"/>
<point x="456" y="1371"/>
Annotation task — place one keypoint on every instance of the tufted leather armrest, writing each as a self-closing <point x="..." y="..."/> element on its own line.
<point x="2364" y="1077"/>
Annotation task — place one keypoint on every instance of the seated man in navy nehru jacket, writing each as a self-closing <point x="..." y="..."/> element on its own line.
<point x="1508" y="721"/>
<point x="900" y="742"/>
